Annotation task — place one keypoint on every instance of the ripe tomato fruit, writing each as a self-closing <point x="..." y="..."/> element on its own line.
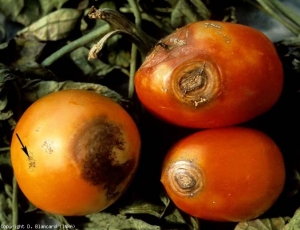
<point x="210" y="74"/>
<point x="83" y="151"/>
<point x="224" y="174"/>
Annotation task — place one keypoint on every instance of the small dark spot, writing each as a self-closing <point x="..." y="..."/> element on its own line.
<point x="31" y="162"/>
<point x="163" y="45"/>
<point x="48" y="146"/>
<point x="95" y="146"/>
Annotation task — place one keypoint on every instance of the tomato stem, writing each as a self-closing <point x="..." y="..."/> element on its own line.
<point x="76" y="44"/>
<point x="15" y="214"/>
<point x="134" y="49"/>
<point x="120" y="23"/>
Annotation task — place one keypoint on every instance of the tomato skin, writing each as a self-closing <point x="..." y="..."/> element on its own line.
<point x="83" y="152"/>
<point x="241" y="62"/>
<point x="240" y="173"/>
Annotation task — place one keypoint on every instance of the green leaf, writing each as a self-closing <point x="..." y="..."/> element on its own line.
<point x="263" y="224"/>
<point x="54" y="26"/>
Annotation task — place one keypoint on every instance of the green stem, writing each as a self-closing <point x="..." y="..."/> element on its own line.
<point x="133" y="65"/>
<point x="92" y="36"/>
<point x="286" y="11"/>
<point x="133" y="68"/>
<point x="15" y="213"/>
<point x="280" y="12"/>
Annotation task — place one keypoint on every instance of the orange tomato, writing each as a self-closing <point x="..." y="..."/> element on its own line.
<point x="83" y="151"/>
<point x="224" y="174"/>
<point x="210" y="74"/>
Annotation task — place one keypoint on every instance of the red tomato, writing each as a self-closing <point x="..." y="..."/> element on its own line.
<point x="224" y="174"/>
<point x="210" y="74"/>
<point x="83" y="151"/>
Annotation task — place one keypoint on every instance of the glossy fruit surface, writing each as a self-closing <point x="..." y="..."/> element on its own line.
<point x="210" y="74"/>
<point x="224" y="174"/>
<point x="83" y="152"/>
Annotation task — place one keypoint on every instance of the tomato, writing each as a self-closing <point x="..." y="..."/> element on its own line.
<point x="224" y="174"/>
<point x="83" y="151"/>
<point x="210" y="74"/>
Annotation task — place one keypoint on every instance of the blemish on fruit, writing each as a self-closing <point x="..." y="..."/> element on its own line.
<point x="48" y="146"/>
<point x="193" y="79"/>
<point x="212" y="25"/>
<point x="31" y="162"/>
<point x="97" y="145"/>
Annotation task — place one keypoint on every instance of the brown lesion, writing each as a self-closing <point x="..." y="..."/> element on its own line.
<point x="193" y="79"/>
<point x="185" y="178"/>
<point x="96" y="146"/>
<point x="196" y="82"/>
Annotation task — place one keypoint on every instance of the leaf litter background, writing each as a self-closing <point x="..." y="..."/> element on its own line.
<point x="44" y="47"/>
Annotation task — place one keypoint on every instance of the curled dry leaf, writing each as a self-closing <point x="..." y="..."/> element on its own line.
<point x="54" y="26"/>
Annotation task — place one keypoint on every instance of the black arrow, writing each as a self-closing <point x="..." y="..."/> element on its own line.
<point x="23" y="146"/>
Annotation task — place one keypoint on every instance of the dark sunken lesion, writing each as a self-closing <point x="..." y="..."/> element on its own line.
<point x="95" y="145"/>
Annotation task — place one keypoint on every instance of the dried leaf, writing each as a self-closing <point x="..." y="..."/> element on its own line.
<point x="4" y="115"/>
<point x="104" y="220"/>
<point x="26" y="12"/>
<point x="292" y="41"/>
<point x="35" y="89"/>
<point x="5" y="197"/>
<point x="143" y="207"/>
<point x="54" y="26"/>
<point x="263" y="224"/>
<point x="34" y="70"/>
<point x="27" y="50"/>
<point x="5" y="210"/>
<point x="11" y="8"/>
<point x="30" y="12"/>
<point x="47" y="6"/>
<point x="91" y="68"/>
<point x="5" y="78"/>
<point x="294" y="223"/>
<point x="2" y="29"/>
<point x="186" y="11"/>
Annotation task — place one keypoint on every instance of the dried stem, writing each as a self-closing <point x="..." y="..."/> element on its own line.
<point x="119" y="22"/>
